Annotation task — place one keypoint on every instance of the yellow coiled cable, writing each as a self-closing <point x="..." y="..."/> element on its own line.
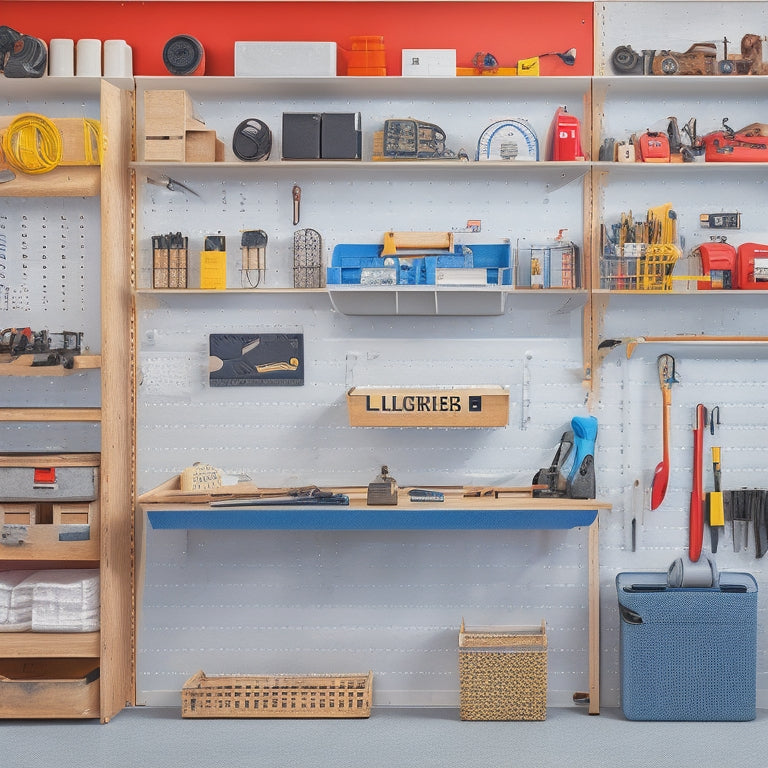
<point x="32" y="143"/>
<point x="92" y="141"/>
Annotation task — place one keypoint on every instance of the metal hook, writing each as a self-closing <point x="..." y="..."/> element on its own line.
<point x="712" y="422"/>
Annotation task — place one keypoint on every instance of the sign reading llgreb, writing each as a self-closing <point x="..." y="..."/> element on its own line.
<point x="475" y="406"/>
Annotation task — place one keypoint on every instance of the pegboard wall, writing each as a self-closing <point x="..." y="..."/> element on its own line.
<point x="50" y="275"/>
<point x="392" y="602"/>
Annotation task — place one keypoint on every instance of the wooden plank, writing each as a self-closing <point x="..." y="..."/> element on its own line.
<point x="22" y="366"/>
<point x="50" y="414"/>
<point x="594" y="617"/>
<point x="118" y="416"/>
<point x="74" y="645"/>
<point x="50" y="459"/>
<point x="69" y="181"/>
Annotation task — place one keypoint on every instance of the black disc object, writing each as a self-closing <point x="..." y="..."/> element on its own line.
<point x="183" y="54"/>
<point x="252" y="140"/>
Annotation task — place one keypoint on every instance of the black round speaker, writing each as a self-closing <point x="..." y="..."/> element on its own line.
<point x="184" y="55"/>
<point x="252" y="140"/>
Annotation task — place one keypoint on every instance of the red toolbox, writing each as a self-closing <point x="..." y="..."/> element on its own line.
<point x="752" y="266"/>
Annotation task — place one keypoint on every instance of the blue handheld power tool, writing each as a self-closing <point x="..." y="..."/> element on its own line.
<point x="572" y="472"/>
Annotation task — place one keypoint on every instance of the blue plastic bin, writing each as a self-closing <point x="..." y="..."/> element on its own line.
<point x="349" y="259"/>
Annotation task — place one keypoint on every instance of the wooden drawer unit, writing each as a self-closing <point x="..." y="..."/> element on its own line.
<point x="68" y="531"/>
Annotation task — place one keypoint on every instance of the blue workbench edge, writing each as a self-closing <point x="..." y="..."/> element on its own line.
<point x="368" y="518"/>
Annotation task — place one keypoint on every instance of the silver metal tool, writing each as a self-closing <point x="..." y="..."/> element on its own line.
<point x="296" y="204"/>
<point x="172" y="184"/>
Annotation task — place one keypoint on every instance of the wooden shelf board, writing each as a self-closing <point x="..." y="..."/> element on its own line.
<point x="49" y="645"/>
<point x="70" y="181"/>
<point x="50" y="414"/>
<point x="22" y="366"/>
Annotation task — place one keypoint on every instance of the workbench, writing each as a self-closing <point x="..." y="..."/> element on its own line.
<point x="456" y="513"/>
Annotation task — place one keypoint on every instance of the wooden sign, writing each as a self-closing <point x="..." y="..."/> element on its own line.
<point x="475" y="406"/>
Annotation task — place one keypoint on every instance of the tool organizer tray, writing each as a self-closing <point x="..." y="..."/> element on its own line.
<point x="349" y="260"/>
<point x="687" y="653"/>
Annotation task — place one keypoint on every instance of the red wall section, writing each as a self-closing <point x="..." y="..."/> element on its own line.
<point x="510" y="31"/>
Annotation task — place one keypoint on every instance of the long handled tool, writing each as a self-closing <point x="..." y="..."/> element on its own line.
<point x="666" y="366"/>
<point x="696" y="516"/>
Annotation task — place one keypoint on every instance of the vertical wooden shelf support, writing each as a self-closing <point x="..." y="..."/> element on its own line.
<point x="117" y="397"/>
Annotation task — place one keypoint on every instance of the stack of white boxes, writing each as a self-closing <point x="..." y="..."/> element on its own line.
<point x="65" y="600"/>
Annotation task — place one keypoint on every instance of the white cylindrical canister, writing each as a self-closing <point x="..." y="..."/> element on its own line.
<point x="88" y="58"/>
<point x="118" y="59"/>
<point x="61" y="57"/>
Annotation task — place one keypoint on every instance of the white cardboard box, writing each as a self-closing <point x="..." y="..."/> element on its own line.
<point x="429" y="62"/>
<point x="285" y="59"/>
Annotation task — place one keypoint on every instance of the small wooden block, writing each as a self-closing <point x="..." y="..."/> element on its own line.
<point x="72" y="514"/>
<point x="18" y="514"/>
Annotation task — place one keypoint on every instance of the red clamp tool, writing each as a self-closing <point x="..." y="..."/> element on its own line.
<point x="696" y="523"/>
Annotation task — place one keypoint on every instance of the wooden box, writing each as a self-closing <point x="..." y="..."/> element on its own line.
<point x="50" y="531"/>
<point x="290" y="696"/>
<point x="49" y="688"/>
<point x="503" y="673"/>
<point x="172" y="133"/>
<point x="482" y="406"/>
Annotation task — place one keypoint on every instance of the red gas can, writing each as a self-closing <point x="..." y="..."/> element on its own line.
<point x="566" y="137"/>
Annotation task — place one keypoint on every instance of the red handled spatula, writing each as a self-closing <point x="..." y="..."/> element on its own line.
<point x="666" y="366"/>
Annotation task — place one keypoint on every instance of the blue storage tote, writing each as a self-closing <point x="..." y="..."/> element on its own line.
<point x="688" y="653"/>
<point x="349" y="259"/>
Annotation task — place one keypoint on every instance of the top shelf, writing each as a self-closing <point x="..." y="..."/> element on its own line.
<point x="63" y="89"/>
<point x="367" y="87"/>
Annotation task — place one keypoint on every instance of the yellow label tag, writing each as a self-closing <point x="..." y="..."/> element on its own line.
<point x="528" y="67"/>
<point x="213" y="270"/>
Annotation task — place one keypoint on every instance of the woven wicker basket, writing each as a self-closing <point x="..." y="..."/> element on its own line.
<point x="291" y="696"/>
<point x="503" y="673"/>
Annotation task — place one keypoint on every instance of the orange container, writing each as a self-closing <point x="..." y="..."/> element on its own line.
<point x="367" y="58"/>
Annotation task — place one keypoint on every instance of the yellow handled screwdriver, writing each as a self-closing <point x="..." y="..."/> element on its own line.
<point x="716" y="511"/>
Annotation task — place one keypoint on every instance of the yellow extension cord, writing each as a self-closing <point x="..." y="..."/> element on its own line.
<point x="32" y="144"/>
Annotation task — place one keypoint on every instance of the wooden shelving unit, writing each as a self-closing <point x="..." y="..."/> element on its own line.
<point x="110" y="649"/>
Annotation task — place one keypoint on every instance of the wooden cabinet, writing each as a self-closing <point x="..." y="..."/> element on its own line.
<point x="89" y="257"/>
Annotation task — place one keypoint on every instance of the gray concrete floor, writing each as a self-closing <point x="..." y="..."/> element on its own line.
<point x="155" y="737"/>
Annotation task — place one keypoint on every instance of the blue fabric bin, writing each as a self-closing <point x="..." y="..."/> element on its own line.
<point x="688" y="653"/>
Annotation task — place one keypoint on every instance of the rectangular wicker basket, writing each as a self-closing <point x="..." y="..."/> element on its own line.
<point x="503" y="673"/>
<point x="292" y="696"/>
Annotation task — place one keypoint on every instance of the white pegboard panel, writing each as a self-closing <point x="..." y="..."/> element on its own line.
<point x="462" y="108"/>
<point x="355" y="207"/>
<point x="629" y="447"/>
<point x="634" y="191"/>
<point x="393" y="601"/>
<point x="383" y="601"/>
<point x="50" y="266"/>
<point x="650" y="24"/>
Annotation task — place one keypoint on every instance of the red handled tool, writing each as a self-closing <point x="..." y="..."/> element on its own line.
<point x="666" y="366"/>
<point x="696" y="523"/>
